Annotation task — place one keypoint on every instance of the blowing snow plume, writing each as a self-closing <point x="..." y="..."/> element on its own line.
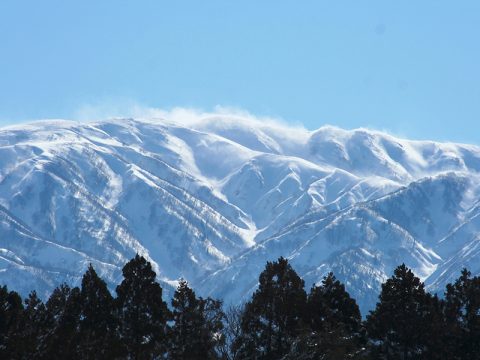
<point x="211" y="197"/>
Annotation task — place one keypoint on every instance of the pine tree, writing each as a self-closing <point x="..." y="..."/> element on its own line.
<point x="142" y="313"/>
<point x="273" y="318"/>
<point x="11" y="309"/>
<point x="334" y="320"/>
<point x="437" y="331"/>
<point x="330" y="303"/>
<point x="462" y="312"/>
<point x="98" y="325"/>
<point x="399" y="324"/>
<point x="62" y="320"/>
<point x="29" y="329"/>
<point x="197" y="326"/>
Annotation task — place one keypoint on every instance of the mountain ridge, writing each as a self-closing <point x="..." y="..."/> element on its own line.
<point x="215" y="199"/>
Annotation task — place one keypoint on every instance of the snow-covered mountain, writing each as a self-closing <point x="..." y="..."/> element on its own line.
<point x="212" y="200"/>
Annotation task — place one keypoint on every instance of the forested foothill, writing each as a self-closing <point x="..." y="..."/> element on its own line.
<point x="281" y="320"/>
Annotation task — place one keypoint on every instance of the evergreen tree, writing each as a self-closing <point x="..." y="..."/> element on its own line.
<point x="334" y="320"/>
<point x="331" y="304"/>
<point x="462" y="312"/>
<point x="11" y="309"/>
<point x="399" y="324"/>
<point x="29" y="329"/>
<point x="142" y="313"/>
<point x="273" y="318"/>
<point x="98" y="325"/>
<point x="62" y="320"/>
<point x="197" y="326"/>
<point x="325" y="345"/>
<point x="437" y="332"/>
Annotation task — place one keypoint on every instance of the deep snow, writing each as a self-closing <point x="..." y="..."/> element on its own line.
<point x="214" y="199"/>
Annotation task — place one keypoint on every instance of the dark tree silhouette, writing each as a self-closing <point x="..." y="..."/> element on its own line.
<point x="330" y="303"/>
<point x="197" y="326"/>
<point x="61" y="324"/>
<point x="273" y="318"/>
<point x="29" y="330"/>
<point x="399" y="324"/>
<point x="279" y="322"/>
<point x="462" y="313"/>
<point x="98" y="325"/>
<point x="142" y="313"/>
<point x="10" y="314"/>
<point x="335" y="323"/>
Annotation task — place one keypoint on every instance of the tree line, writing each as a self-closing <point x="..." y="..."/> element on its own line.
<point x="280" y="321"/>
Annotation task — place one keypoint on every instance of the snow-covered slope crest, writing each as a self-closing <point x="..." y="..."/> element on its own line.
<point x="212" y="198"/>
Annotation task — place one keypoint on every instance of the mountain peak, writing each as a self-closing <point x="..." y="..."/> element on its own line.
<point x="212" y="198"/>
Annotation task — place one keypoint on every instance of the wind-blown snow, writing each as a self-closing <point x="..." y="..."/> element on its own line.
<point x="212" y="198"/>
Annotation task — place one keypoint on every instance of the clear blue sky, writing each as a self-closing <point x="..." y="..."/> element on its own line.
<point x="411" y="67"/>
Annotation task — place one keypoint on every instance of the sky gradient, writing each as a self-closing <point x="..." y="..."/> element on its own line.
<point x="409" y="67"/>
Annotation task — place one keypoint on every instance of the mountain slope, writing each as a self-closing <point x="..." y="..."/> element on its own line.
<point x="213" y="200"/>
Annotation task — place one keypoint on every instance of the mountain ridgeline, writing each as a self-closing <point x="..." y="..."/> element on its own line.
<point x="212" y="199"/>
<point x="279" y="321"/>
